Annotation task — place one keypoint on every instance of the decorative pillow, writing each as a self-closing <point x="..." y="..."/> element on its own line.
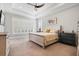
<point x="49" y="30"/>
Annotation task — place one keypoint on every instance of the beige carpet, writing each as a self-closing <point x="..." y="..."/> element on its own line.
<point x="32" y="49"/>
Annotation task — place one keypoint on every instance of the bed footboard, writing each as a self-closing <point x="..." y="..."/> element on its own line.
<point x="37" y="39"/>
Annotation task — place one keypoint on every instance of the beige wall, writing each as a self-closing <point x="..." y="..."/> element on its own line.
<point x="67" y="18"/>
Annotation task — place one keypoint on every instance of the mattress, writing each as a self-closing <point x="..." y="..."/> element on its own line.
<point x="47" y="36"/>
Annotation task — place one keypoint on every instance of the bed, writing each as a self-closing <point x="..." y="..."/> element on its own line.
<point x="43" y="39"/>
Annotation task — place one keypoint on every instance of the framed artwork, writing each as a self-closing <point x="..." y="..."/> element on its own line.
<point x="53" y="21"/>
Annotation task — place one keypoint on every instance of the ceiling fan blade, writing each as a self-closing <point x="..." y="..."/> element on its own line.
<point x="30" y="4"/>
<point x="36" y="6"/>
<point x="39" y="6"/>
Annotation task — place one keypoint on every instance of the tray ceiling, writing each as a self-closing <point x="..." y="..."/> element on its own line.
<point x="26" y="9"/>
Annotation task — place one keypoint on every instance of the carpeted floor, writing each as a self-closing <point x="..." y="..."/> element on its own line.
<point x="32" y="49"/>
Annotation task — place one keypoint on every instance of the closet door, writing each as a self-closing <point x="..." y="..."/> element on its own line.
<point x="78" y="38"/>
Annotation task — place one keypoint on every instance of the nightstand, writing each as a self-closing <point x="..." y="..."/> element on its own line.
<point x="68" y="38"/>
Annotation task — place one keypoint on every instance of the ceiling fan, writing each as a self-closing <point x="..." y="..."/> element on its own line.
<point x="37" y="5"/>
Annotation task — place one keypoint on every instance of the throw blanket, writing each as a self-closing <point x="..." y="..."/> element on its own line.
<point x="51" y="37"/>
